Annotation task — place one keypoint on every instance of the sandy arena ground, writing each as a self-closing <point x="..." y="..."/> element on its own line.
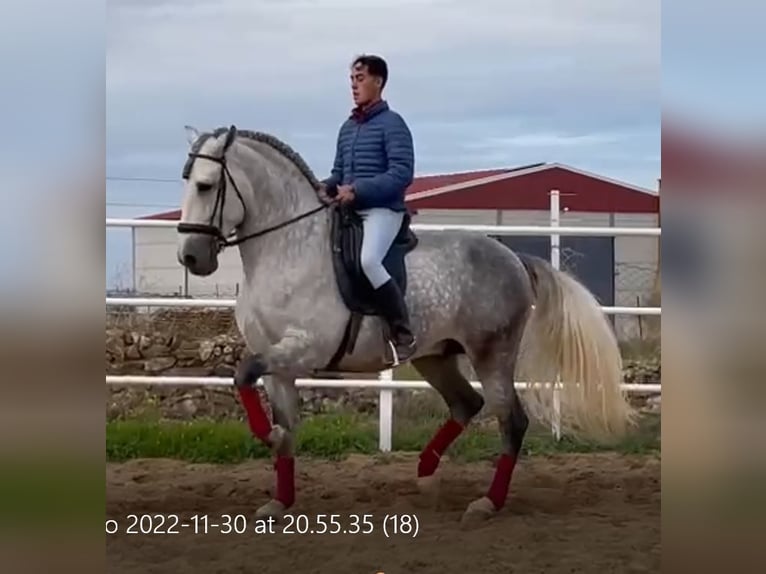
<point x="566" y="514"/>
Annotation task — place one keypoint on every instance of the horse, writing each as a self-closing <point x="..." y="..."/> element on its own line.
<point x="512" y="315"/>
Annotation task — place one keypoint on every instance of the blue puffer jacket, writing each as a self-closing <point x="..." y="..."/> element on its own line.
<point x="375" y="154"/>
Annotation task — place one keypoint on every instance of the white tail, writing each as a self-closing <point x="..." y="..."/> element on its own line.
<point x="569" y="338"/>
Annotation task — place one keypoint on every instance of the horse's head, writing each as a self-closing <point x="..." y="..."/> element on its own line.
<point x="213" y="206"/>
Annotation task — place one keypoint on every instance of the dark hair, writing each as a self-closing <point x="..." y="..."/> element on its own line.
<point x="375" y="65"/>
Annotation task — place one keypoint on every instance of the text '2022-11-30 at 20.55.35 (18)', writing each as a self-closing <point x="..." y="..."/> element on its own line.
<point x="290" y="524"/>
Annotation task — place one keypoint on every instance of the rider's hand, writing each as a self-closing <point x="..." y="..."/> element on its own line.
<point x="345" y="194"/>
<point x="324" y="196"/>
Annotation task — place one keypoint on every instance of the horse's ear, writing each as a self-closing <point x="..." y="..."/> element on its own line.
<point x="192" y="134"/>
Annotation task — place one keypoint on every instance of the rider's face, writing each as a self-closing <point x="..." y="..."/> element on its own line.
<point x="364" y="87"/>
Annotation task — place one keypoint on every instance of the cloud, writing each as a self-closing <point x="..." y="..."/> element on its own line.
<point x="482" y="84"/>
<point x="547" y="140"/>
<point x="265" y="47"/>
<point x="492" y="78"/>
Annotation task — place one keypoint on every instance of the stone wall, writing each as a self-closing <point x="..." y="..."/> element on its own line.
<point x="206" y="343"/>
<point x="131" y="352"/>
<point x="192" y="323"/>
<point x="199" y="344"/>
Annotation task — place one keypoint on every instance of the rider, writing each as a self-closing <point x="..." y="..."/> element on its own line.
<point x="374" y="165"/>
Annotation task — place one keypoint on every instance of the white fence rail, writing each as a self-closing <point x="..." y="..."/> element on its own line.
<point x="385" y="383"/>
<point x="381" y="383"/>
<point x="493" y="229"/>
<point x="228" y="303"/>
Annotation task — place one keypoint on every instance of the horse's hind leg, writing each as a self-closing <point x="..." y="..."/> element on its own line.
<point x="464" y="402"/>
<point x="496" y="369"/>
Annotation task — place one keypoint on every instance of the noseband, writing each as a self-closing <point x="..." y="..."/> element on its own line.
<point x="211" y="228"/>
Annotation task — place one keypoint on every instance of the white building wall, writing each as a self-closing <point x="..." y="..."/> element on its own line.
<point x="457" y="216"/>
<point x="157" y="271"/>
<point x="508" y="217"/>
<point x="543" y="217"/>
<point x="155" y="267"/>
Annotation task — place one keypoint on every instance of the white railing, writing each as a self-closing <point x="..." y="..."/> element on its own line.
<point x="229" y="303"/>
<point x="493" y="229"/>
<point x="385" y="383"/>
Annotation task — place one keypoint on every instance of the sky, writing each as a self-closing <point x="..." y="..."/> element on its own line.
<point x="482" y="84"/>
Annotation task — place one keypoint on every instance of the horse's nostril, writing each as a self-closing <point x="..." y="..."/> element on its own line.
<point x="189" y="260"/>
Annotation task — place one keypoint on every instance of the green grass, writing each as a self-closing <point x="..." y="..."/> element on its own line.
<point x="328" y="436"/>
<point x="334" y="436"/>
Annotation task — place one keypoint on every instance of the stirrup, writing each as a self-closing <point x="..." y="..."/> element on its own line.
<point x="395" y="356"/>
<point x="396" y="361"/>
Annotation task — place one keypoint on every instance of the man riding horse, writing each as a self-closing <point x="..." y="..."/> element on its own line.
<point x="374" y="165"/>
<point x="514" y="317"/>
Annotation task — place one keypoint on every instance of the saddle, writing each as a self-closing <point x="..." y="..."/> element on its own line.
<point x="356" y="291"/>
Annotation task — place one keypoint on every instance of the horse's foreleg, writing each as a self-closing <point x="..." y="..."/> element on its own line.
<point x="285" y="360"/>
<point x="443" y="373"/>
<point x="285" y="408"/>
<point x="248" y="372"/>
<point x="278" y="367"/>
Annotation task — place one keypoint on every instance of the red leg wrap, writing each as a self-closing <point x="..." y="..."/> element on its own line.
<point x="432" y="452"/>
<point x="498" y="491"/>
<point x="285" y="467"/>
<point x="256" y="416"/>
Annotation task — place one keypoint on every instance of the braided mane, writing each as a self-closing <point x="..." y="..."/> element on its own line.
<point x="272" y="141"/>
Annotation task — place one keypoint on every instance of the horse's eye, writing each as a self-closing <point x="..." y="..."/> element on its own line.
<point x="204" y="186"/>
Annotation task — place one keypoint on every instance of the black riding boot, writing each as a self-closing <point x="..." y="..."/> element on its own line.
<point x="394" y="310"/>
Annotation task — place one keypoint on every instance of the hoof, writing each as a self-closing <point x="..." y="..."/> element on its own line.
<point x="428" y="486"/>
<point x="272" y="509"/>
<point x="480" y="510"/>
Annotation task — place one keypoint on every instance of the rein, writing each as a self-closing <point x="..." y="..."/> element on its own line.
<point x="215" y="230"/>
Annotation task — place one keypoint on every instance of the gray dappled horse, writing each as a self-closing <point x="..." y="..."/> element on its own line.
<point x="515" y="317"/>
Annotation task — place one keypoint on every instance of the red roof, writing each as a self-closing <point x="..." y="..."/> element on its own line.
<point x="428" y="182"/>
<point x="524" y="187"/>
<point x="168" y="215"/>
<point x="529" y="188"/>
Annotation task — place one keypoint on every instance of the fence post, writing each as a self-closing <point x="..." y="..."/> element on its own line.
<point x="556" y="263"/>
<point x="385" y="413"/>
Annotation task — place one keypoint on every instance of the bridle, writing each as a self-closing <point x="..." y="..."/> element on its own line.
<point x="211" y="228"/>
